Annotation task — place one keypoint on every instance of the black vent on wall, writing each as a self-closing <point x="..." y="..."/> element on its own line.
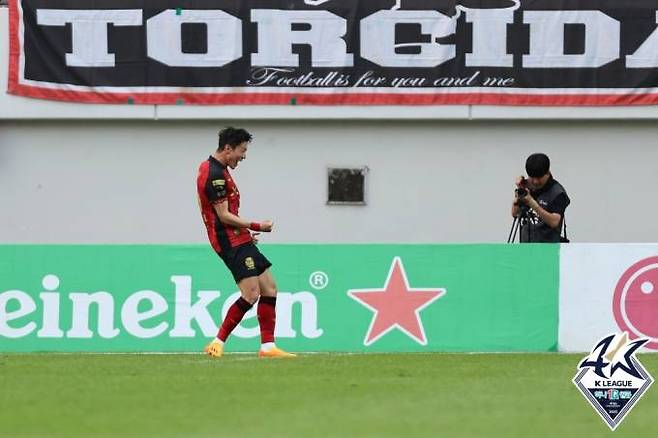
<point x="347" y="186"/>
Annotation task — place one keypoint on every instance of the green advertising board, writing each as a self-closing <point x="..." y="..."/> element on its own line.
<point x="350" y="298"/>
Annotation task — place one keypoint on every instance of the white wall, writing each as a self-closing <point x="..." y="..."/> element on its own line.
<point x="429" y="181"/>
<point x="105" y="173"/>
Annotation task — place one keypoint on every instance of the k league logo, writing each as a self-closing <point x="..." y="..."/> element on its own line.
<point x="612" y="379"/>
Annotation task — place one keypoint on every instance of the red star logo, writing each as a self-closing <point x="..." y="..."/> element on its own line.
<point x="396" y="305"/>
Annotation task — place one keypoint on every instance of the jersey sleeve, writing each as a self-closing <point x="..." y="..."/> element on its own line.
<point x="216" y="187"/>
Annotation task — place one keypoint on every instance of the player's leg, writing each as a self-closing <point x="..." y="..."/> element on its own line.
<point x="267" y="309"/>
<point x="249" y="292"/>
<point x="267" y="316"/>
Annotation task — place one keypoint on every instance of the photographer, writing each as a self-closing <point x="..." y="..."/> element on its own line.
<point x="539" y="202"/>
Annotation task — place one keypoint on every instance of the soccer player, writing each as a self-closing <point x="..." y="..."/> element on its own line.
<point x="219" y="200"/>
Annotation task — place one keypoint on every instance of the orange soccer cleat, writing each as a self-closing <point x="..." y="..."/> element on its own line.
<point x="275" y="353"/>
<point x="214" y="349"/>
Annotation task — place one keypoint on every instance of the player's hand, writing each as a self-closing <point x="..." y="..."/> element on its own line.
<point x="266" y="226"/>
<point x="518" y="181"/>
<point x="254" y="238"/>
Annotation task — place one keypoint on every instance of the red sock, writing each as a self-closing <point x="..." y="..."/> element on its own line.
<point x="233" y="318"/>
<point x="266" y="318"/>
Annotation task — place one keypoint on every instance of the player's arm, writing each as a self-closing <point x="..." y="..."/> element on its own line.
<point x="233" y="220"/>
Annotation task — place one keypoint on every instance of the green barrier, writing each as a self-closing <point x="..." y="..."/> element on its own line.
<point x="352" y="298"/>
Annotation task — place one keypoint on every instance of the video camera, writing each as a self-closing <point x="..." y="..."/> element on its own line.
<point x="522" y="190"/>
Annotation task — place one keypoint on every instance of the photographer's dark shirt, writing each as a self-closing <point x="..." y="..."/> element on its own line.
<point x="554" y="199"/>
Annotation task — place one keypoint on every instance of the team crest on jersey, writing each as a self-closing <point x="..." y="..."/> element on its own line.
<point x="249" y="263"/>
<point x="612" y="379"/>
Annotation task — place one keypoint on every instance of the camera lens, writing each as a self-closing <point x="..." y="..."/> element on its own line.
<point x="521" y="192"/>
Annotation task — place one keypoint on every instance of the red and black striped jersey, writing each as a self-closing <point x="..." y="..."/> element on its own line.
<point x="215" y="185"/>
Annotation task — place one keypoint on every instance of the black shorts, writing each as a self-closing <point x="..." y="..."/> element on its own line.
<point x="245" y="261"/>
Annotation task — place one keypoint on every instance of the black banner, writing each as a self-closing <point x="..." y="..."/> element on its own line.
<point x="532" y="52"/>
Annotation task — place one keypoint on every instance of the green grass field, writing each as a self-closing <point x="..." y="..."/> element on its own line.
<point x="378" y="395"/>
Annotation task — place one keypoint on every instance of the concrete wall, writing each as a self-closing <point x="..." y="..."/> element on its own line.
<point x="428" y="182"/>
<point x="101" y="173"/>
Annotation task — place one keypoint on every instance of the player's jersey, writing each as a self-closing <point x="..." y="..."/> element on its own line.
<point x="214" y="185"/>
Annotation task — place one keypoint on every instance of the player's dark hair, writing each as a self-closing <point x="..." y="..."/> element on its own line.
<point x="537" y="165"/>
<point x="233" y="137"/>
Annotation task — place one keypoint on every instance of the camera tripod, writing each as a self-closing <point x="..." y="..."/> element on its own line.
<point x="522" y="219"/>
